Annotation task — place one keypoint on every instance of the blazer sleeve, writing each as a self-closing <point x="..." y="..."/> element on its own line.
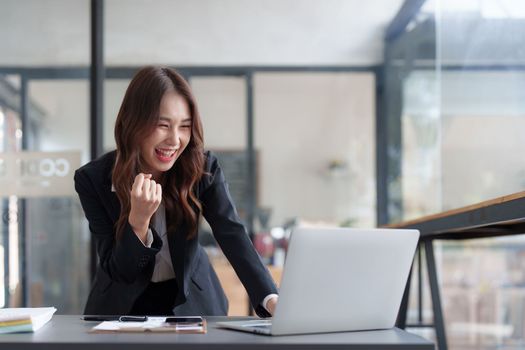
<point x="220" y="212"/>
<point x="122" y="260"/>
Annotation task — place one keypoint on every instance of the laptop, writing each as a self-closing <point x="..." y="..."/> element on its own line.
<point x="337" y="280"/>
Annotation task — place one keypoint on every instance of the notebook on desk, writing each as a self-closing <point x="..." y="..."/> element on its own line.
<point x="339" y="279"/>
<point x="152" y="324"/>
<point x="22" y="320"/>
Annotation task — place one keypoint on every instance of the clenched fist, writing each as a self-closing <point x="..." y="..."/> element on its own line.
<point x="146" y="196"/>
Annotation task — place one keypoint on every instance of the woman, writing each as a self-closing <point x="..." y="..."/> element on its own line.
<point x="143" y="203"/>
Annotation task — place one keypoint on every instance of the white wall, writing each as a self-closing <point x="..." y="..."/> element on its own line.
<point x="48" y="32"/>
<point x="197" y="32"/>
<point x="222" y="105"/>
<point x="303" y="121"/>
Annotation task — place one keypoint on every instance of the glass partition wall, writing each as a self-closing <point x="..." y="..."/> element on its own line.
<point x="44" y="244"/>
<point x="458" y="102"/>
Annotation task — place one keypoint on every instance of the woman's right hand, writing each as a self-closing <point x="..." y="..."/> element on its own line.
<point x="146" y="196"/>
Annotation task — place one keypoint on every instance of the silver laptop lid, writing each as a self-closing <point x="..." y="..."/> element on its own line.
<point x="341" y="279"/>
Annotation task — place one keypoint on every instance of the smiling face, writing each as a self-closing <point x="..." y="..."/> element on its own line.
<point x="171" y="135"/>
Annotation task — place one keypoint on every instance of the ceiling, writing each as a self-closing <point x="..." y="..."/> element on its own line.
<point x="198" y="32"/>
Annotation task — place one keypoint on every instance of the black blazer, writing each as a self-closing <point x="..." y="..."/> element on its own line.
<point x="125" y="266"/>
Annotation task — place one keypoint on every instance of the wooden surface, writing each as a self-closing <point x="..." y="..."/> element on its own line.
<point x="502" y="216"/>
<point x="468" y="208"/>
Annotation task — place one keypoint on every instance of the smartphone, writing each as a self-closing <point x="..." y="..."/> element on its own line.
<point x="184" y="319"/>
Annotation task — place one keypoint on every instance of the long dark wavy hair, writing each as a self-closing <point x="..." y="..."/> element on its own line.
<point x="137" y="118"/>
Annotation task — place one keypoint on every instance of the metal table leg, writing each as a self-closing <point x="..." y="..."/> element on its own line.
<point x="436" y="301"/>
<point x="401" y="321"/>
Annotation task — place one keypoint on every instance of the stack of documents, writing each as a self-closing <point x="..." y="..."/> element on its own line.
<point x="16" y="320"/>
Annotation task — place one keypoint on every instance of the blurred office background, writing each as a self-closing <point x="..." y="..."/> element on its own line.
<point x="337" y="112"/>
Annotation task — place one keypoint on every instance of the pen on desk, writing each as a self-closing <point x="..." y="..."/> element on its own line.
<point x="133" y="318"/>
<point x="100" y="318"/>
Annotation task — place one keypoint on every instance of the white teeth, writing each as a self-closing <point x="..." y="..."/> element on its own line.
<point x="165" y="153"/>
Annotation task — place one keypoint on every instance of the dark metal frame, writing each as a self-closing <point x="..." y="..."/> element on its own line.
<point x="403" y="17"/>
<point x="250" y="152"/>
<point x="381" y="149"/>
<point x="96" y="82"/>
<point x="399" y="47"/>
<point x="24" y="241"/>
<point x="96" y="96"/>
